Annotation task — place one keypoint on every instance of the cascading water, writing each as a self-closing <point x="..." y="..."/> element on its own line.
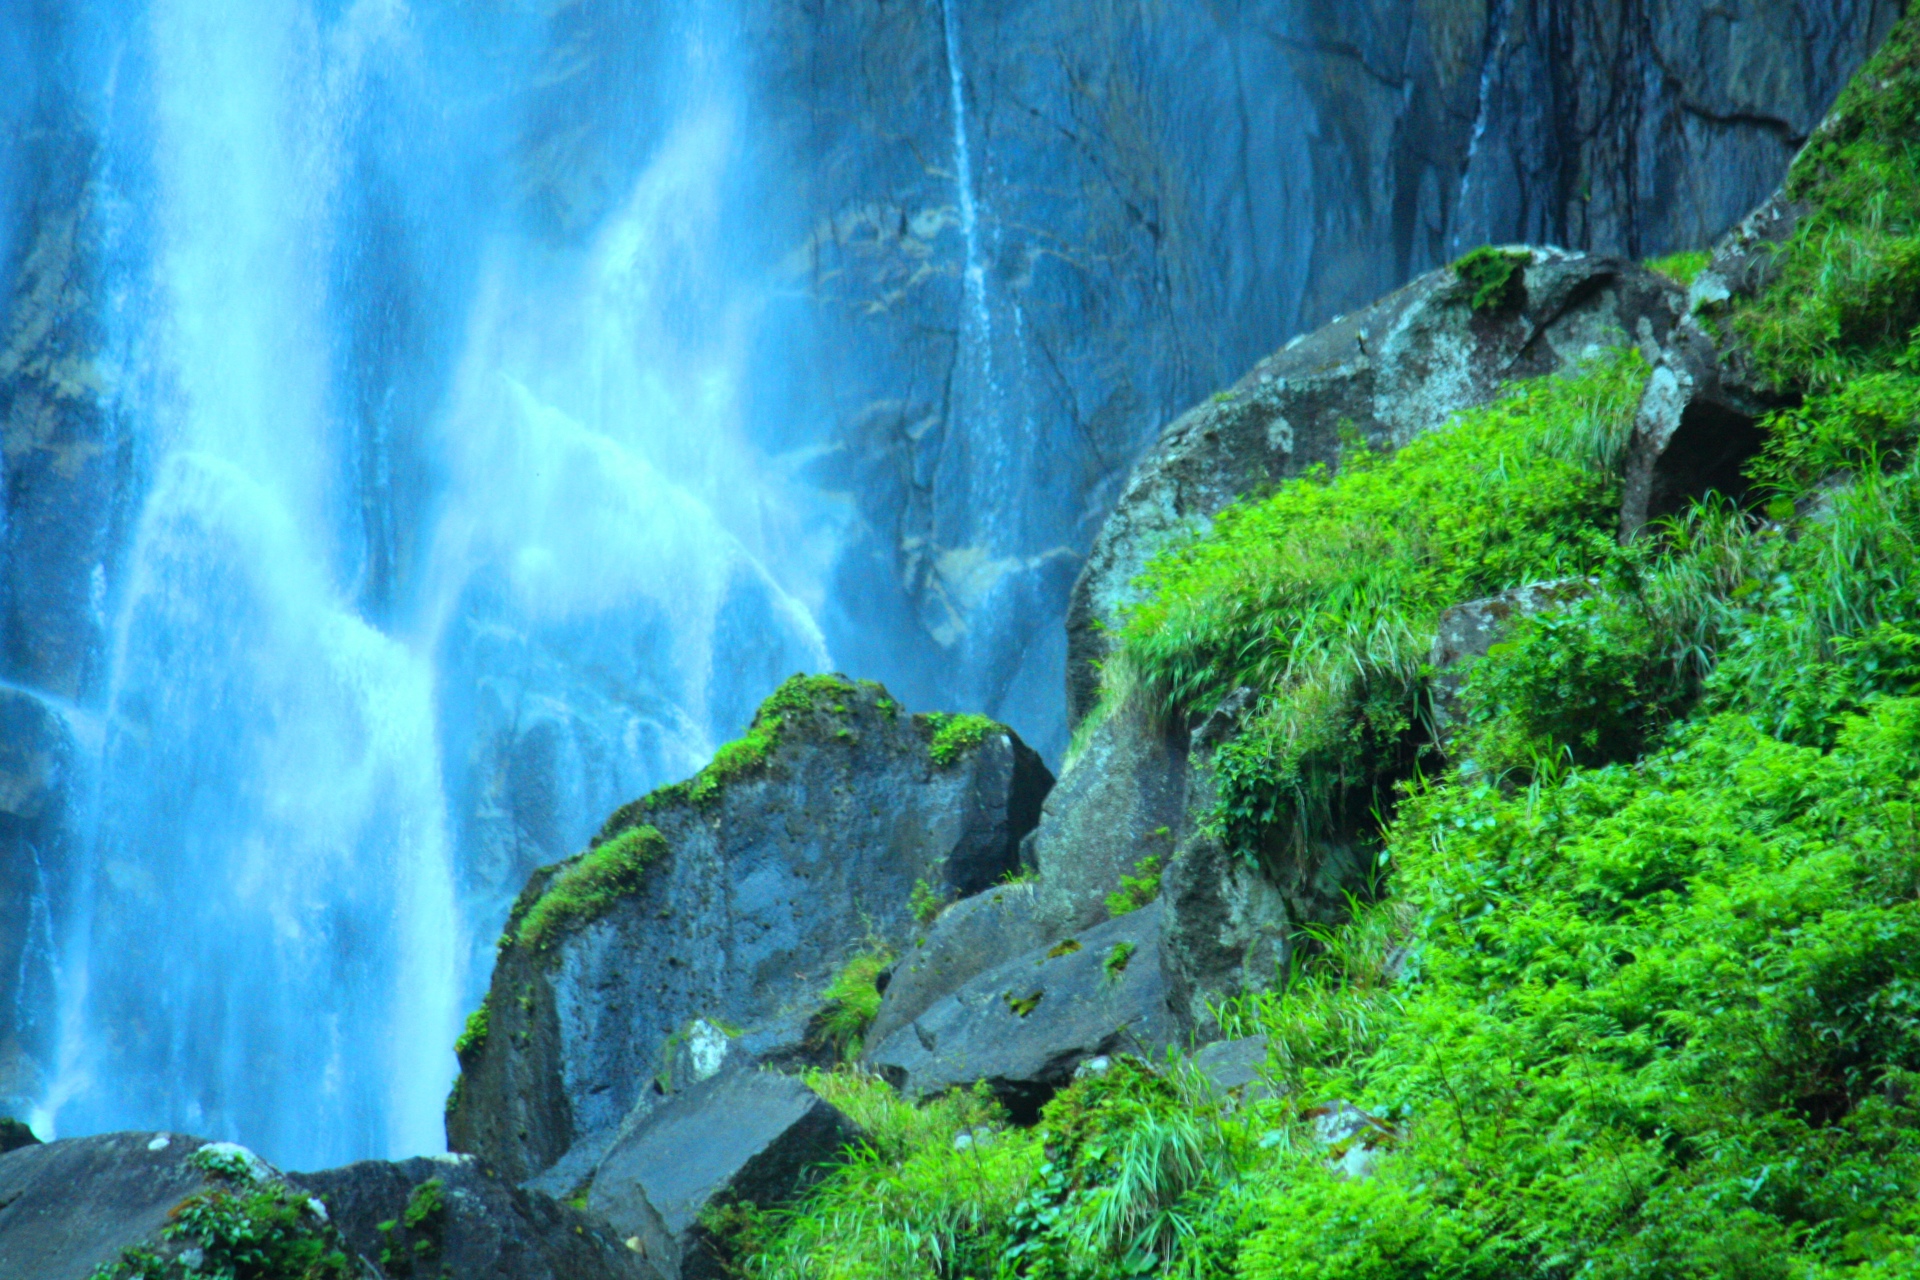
<point x="444" y="537"/>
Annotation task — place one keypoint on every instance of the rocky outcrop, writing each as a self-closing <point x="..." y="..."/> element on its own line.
<point x="745" y="1138"/>
<point x="967" y="938"/>
<point x="1025" y="1025"/>
<point x="69" y="1207"/>
<point x="449" y="1218"/>
<point x="732" y="899"/>
<point x="1389" y="372"/>
<point x="1121" y="801"/>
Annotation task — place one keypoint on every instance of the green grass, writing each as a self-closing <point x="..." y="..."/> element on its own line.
<point x="1138" y="889"/>
<point x="585" y="888"/>
<point x="1681" y="268"/>
<point x="1323" y="596"/>
<point x="852" y="1000"/>
<point x="473" y="1036"/>
<point x="1845" y="296"/>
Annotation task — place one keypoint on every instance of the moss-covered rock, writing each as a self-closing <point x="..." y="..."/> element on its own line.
<point x="733" y="897"/>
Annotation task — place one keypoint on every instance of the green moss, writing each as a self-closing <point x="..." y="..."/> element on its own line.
<point x="1681" y="268"/>
<point x="587" y="887"/>
<point x="1844" y="298"/>
<point x="1117" y="959"/>
<point x="953" y="736"/>
<point x="1494" y="278"/>
<point x="456" y="1096"/>
<point x="1323" y="596"/>
<point x="417" y="1236"/>
<point x="1138" y="889"/>
<point x="852" y="1000"/>
<point x="473" y="1037"/>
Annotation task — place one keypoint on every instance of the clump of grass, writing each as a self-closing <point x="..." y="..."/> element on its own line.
<point x="1138" y="889"/>
<point x="585" y="888"/>
<point x="1844" y="297"/>
<point x="473" y="1036"/>
<point x="1323" y="596"/>
<point x="953" y="736"/>
<point x="1493" y="277"/>
<point x="1681" y="268"/>
<point x="852" y="999"/>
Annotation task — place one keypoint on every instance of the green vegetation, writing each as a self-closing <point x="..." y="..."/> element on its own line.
<point x="955" y="735"/>
<point x="586" y="887"/>
<point x="1119" y="955"/>
<point x="473" y="1037"/>
<point x="1681" y="268"/>
<point x="1493" y="277"/>
<point x="852" y="999"/>
<point x="926" y="902"/>
<point x="246" y="1228"/>
<point x="1138" y="889"/>
<point x="798" y="699"/>
<point x="1323" y="596"/>
<point x="1844" y="299"/>
<point x="417" y="1236"/>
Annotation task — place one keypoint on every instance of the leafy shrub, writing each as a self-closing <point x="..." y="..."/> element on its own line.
<point x="953" y="736"/>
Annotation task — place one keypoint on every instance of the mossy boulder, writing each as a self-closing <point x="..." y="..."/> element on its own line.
<point x="732" y="897"/>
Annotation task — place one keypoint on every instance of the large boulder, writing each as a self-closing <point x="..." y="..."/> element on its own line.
<point x="450" y="1218"/>
<point x="743" y="1138"/>
<point x="1396" y="369"/>
<point x="1120" y="800"/>
<point x="69" y="1207"/>
<point x="967" y="938"/>
<point x="1025" y="1025"/>
<point x="731" y="898"/>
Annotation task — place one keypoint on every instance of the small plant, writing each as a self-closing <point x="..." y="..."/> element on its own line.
<point x="1138" y="889"/>
<point x="418" y="1235"/>
<point x="1681" y="268"/>
<point x="955" y="735"/>
<point x="473" y="1037"/>
<point x="1493" y="277"/>
<point x="266" y="1232"/>
<point x="1021" y="1006"/>
<point x="925" y="903"/>
<point x="852" y="1000"/>
<point x="1118" y="956"/>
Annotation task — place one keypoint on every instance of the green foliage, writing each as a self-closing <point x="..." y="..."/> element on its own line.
<point x="418" y="1235"/>
<point x="929" y="1192"/>
<point x="248" y="1232"/>
<point x="586" y="887"/>
<point x="1681" y="268"/>
<point x="473" y="1036"/>
<point x="953" y="736"/>
<point x="1493" y="277"/>
<point x="926" y="902"/>
<point x="1138" y="889"/>
<point x="1119" y="955"/>
<point x="1323" y="596"/>
<point x="1844" y="298"/>
<point x="852" y="999"/>
<point x="1870" y="423"/>
<point x="1585" y="683"/>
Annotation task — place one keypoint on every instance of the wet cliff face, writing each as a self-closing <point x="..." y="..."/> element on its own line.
<point x="606" y="363"/>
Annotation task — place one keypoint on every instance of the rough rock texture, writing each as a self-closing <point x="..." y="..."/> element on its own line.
<point x="1024" y="1025"/>
<point x="744" y="1137"/>
<point x="766" y="886"/>
<point x="1391" y="371"/>
<point x="1120" y="799"/>
<point x="1695" y="427"/>
<point x="1235" y="1069"/>
<point x="70" y="1206"/>
<point x="966" y="939"/>
<point x="485" y="1229"/>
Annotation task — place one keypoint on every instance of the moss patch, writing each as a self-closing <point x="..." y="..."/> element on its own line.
<point x="953" y="736"/>
<point x="473" y="1037"/>
<point x="1681" y="268"/>
<point x="586" y="887"/>
<point x="1493" y="277"/>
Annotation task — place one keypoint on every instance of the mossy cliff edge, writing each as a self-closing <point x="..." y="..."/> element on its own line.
<point x="731" y="897"/>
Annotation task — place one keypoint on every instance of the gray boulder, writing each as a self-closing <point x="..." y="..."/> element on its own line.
<point x="969" y="937"/>
<point x="767" y="873"/>
<point x="450" y="1218"/>
<point x="1024" y="1026"/>
<point x="1120" y="799"/>
<point x="1398" y="368"/>
<point x="69" y="1207"/>
<point x="745" y="1137"/>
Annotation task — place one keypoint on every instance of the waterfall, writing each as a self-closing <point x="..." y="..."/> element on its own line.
<point x="446" y="530"/>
